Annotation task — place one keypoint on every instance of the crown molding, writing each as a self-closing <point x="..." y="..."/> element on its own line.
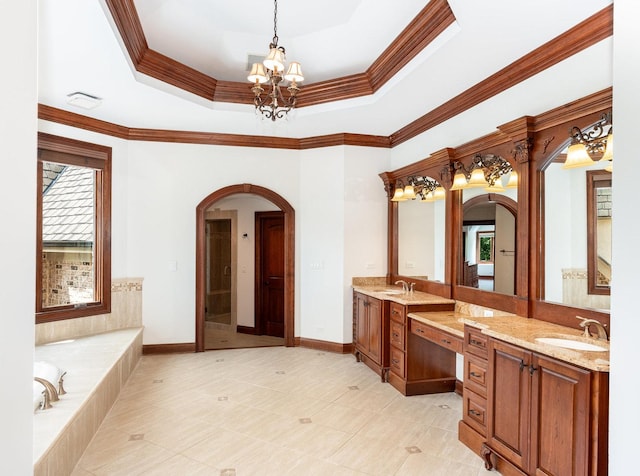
<point x="423" y="29"/>
<point x="67" y="118"/>
<point x="587" y="33"/>
<point x="594" y="29"/>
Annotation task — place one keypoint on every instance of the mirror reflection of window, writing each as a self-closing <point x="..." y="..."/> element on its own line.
<point x="485" y="251"/>
<point x="599" y="215"/>
<point x="567" y="237"/>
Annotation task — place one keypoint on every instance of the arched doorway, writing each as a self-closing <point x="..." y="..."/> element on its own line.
<point x="489" y="243"/>
<point x="289" y="256"/>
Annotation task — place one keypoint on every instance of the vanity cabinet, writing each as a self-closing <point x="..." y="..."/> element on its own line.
<point x="422" y="358"/>
<point x="543" y="416"/>
<point x="472" y="429"/>
<point x="371" y="332"/>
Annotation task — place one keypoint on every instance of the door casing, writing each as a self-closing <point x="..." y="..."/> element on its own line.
<point x="289" y="256"/>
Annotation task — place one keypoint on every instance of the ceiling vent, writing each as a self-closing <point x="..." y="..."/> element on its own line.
<point x="83" y="100"/>
<point x="253" y="59"/>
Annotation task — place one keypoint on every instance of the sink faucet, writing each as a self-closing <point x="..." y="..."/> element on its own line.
<point x="405" y="285"/>
<point x="586" y="323"/>
<point x="412" y="287"/>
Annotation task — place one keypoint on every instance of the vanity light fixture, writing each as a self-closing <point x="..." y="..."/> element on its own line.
<point x="425" y="188"/>
<point x="485" y="171"/>
<point x="595" y="141"/>
<point x="274" y="105"/>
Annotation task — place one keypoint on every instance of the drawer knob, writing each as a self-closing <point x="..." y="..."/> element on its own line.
<point x="476" y="342"/>
<point x="475" y="412"/>
<point x="475" y="374"/>
<point x="395" y="335"/>
<point x="421" y="331"/>
<point x="396" y="362"/>
<point x="445" y="341"/>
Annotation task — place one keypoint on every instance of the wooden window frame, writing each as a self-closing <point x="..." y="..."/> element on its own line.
<point x="83" y="154"/>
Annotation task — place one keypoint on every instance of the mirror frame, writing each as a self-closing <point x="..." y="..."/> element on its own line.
<point x="529" y="144"/>
<point x="512" y="142"/>
<point x="433" y="167"/>
<point x="548" y="144"/>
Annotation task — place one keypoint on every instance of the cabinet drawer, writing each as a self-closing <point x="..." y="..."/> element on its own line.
<point x="397" y="362"/>
<point x="397" y="312"/>
<point x="475" y="343"/>
<point x="475" y="374"/>
<point x="474" y="411"/>
<point x="437" y="336"/>
<point x="397" y="335"/>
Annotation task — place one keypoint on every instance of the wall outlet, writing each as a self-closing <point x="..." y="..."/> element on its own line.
<point x="370" y="266"/>
<point x="410" y="265"/>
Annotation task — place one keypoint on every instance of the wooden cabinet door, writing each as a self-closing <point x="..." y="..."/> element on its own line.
<point x="560" y="413"/>
<point x="508" y="401"/>
<point x="362" y="324"/>
<point x="375" y="330"/>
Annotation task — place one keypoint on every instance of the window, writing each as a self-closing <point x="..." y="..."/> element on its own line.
<point x="73" y="268"/>
<point x="485" y="242"/>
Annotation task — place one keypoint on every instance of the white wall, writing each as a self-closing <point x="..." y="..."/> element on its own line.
<point x="165" y="184"/>
<point x="339" y="202"/>
<point x="624" y="419"/>
<point x="322" y="242"/>
<point x="547" y="90"/>
<point x="365" y="222"/>
<point x="18" y="127"/>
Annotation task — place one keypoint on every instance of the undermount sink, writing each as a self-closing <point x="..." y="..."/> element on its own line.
<point x="570" y="344"/>
<point x="389" y="291"/>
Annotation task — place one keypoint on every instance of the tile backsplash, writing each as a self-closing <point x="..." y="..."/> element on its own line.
<point x="126" y="311"/>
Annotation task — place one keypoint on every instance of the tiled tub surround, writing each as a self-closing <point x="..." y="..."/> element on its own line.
<point x="126" y="312"/>
<point x="97" y="368"/>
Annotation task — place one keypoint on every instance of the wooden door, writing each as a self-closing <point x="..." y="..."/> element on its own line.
<point x="362" y="324"/>
<point x="375" y="330"/>
<point x="218" y="271"/>
<point x="508" y="415"/>
<point x="560" y="418"/>
<point x="270" y="273"/>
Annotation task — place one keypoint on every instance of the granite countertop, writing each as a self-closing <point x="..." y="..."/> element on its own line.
<point x="386" y="292"/>
<point x="522" y="332"/>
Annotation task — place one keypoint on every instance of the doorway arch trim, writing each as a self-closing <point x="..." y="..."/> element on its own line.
<point x="289" y="255"/>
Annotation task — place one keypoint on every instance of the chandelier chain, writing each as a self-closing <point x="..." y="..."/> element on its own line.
<point x="275" y="23"/>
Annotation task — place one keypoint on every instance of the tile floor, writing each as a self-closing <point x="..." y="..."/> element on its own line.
<point x="226" y="339"/>
<point x="274" y="411"/>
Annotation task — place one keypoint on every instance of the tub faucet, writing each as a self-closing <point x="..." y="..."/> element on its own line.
<point x="405" y="285"/>
<point x="586" y="323"/>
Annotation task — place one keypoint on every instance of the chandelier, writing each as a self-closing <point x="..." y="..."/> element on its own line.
<point x="484" y="171"/>
<point x="274" y="105"/>
<point x="593" y="142"/>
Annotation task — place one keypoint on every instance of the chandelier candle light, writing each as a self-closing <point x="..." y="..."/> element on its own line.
<point x="274" y="105"/>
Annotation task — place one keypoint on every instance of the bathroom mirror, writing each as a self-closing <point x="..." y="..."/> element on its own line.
<point x="489" y="240"/>
<point x="421" y="239"/>
<point x="577" y="235"/>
